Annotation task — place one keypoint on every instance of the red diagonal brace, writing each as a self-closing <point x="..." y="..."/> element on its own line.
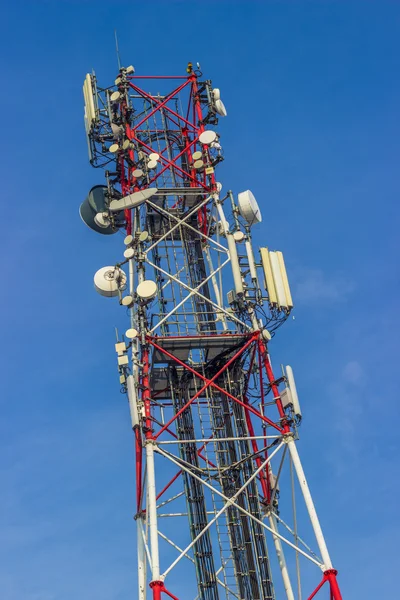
<point x="210" y="382"/>
<point x="159" y="104"/>
<point x="148" y="96"/>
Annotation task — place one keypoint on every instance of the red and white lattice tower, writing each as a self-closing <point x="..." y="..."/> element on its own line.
<point x="215" y="427"/>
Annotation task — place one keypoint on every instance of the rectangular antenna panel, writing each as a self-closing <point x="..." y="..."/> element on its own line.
<point x="269" y="280"/>
<point x="276" y="273"/>
<point x="89" y="104"/>
<point x="289" y="301"/>
<point x="286" y="397"/>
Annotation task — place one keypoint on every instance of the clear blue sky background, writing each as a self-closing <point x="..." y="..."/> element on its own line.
<point x="313" y="94"/>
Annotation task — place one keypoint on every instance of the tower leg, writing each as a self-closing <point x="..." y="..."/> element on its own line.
<point x="141" y="561"/>
<point x="152" y="508"/>
<point x="330" y="572"/>
<point x="281" y="559"/>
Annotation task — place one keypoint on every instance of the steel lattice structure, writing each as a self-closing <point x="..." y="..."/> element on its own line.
<point x="214" y="427"/>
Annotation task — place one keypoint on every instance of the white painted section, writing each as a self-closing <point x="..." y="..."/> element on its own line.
<point x="293" y="390"/>
<point x="281" y="559"/>
<point x="214" y="281"/>
<point x="312" y="559"/>
<point x="141" y="561"/>
<point x="152" y="510"/>
<point x="252" y="262"/>
<point x="132" y="399"/>
<point x="276" y="272"/>
<point x="237" y="275"/>
<point x="285" y="280"/>
<point x="310" y="506"/>
<point x="269" y="279"/>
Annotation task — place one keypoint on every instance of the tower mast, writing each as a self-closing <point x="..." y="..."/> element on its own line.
<point x="215" y="429"/>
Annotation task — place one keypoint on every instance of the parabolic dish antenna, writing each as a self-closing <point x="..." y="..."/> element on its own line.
<point x="197" y="155"/>
<point x="207" y="137"/>
<point x="220" y="108"/>
<point x="249" y="208"/>
<point x="115" y="96"/>
<point x="108" y="281"/>
<point x="147" y="289"/>
<point x="154" y="156"/>
<point x="95" y="204"/>
<point x="198" y="164"/>
<point x="152" y="164"/>
<point x="131" y="333"/>
<point x="216" y="94"/>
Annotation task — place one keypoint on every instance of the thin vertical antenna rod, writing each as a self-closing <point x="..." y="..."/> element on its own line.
<point x="117" y="49"/>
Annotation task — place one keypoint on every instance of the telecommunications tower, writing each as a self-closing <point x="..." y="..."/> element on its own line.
<point x="215" y="428"/>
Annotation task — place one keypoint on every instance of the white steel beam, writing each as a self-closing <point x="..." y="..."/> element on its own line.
<point x="228" y="502"/>
<point x="240" y="508"/>
<point x="310" y="505"/>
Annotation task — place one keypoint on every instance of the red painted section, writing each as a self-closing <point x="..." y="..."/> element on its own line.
<point x="212" y="382"/>
<point x="329" y="577"/>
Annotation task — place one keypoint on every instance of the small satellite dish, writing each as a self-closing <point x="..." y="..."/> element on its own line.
<point x="133" y="200"/>
<point x="96" y="203"/>
<point x="152" y="164"/>
<point x="109" y="280"/>
<point x="113" y="148"/>
<point x="129" y="252"/>
<point x="146" y="290"/>
<point x="154" y="156"/>
<point x="130" y="69"/>
<point x="198" y="164"/>
<point x="137" y="173"/>
<point x="144" y="236"/>
<point x="115" y="96"/>
<point x="128" y="240"/>
<point x="197" y="155"/>
<point x="117" y="130"/>
<point x="220" y="108"/>
<point x="215" y="145"/>
<point x="118" y="81"/>
<point x="216" y="94"/>
<point x="248" y="208"/>
<point x="127" y="301"/>
<point x="101" y="219"/>
<point x="207" y="137"/>
<point x="219" y="186"/>
<point x="238" y="236"/>
<point x="127" y="144"/>
<point x="131" y="333"/>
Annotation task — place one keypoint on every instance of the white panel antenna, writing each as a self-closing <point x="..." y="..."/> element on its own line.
<point x="293" y="391"/>
<point x="276" y="281"/>
<point x="89" y="103"/>
<point x="276" y="272"/>
<point x="289" y="301"/>
<point x="269" y="279"/>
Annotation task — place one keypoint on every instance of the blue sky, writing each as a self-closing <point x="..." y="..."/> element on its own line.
<point x="313" y="94"/>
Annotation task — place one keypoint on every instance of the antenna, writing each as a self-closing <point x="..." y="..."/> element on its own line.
<point x="117" y="49"/>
